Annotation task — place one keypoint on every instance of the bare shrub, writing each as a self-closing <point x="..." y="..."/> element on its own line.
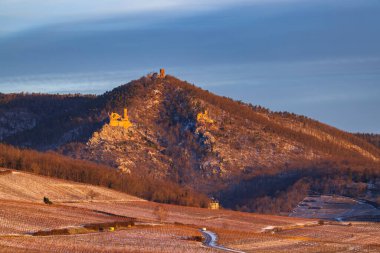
<point x="161" y="213"/>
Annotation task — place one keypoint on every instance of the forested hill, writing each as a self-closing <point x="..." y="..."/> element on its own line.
<point x="191" y="137"/>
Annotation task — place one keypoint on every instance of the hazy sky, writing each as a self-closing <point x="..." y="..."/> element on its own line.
<point x="320" y="58"/>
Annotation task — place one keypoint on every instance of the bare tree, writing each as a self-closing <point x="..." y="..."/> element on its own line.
<point x="92" y="194"/>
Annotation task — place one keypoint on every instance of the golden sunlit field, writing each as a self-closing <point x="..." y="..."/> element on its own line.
<point x="98" y="224"/>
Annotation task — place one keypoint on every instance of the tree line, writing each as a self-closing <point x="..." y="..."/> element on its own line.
<point x="54" y="165"/>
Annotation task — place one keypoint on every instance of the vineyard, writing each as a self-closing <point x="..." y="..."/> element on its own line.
<point x="140" y="239"/>
<point x="25" y="218"/>
<point x="198" y="217"/>
<point x="82" y="218"/>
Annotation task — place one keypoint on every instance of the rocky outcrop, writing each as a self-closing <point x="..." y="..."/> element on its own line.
<point x="130" y="150"/>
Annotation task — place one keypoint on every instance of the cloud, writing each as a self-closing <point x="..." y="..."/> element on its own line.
<point x="83" y="82"/>
<point x="19" y="15"/>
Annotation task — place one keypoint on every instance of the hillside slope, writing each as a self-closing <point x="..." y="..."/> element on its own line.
<point x="21" y="186"/>
<point x="54" y="165"/>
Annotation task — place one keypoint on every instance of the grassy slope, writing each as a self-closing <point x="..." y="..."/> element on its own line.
<point x="24" y="186"/>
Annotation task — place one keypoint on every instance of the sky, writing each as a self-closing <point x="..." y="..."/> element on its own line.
<point x="319" y="58"/>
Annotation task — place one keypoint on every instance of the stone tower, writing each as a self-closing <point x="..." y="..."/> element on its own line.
<point x="162" y="73"/>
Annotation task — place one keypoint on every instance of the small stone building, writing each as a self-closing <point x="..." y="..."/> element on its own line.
<point x="214" y="205"/>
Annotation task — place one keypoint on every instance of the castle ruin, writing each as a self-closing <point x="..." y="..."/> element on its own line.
<point x="160" y="75"/>
<point x="117" y="121"/>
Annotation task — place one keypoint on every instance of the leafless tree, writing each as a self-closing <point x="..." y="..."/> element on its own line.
<point x="92" y="194"/>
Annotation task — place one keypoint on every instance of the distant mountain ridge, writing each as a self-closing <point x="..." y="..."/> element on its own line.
<point x="183" y="134"/>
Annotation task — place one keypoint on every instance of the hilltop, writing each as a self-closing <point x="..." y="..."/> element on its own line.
<point x="247" y="156"/>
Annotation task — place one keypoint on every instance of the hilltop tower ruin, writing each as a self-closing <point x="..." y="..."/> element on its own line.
<point x="162" y="73"/>
<point x="156" y="75"/>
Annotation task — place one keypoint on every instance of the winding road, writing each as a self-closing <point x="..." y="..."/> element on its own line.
<point x="211" y="239"/>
